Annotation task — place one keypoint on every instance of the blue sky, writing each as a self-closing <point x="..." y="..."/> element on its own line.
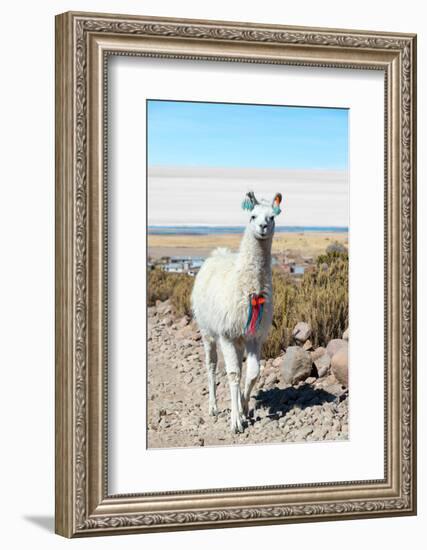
<point x="249" y="136"/>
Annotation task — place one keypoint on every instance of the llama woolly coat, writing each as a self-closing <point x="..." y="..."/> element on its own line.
<point x="223" y="287"/>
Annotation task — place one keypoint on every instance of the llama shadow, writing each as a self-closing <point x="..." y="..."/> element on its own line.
<point x="280" y="401"/>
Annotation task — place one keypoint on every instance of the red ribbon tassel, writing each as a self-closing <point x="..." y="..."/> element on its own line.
<point x="255" y="313"/>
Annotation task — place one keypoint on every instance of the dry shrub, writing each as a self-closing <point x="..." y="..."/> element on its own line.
<point x="174" y="286"/>
<point x="320" y="299"/>
<point x="181" y="295"/>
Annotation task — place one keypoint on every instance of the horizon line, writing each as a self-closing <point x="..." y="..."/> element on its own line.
<point x="196" y="225"/>
<point x="242" y="167"/>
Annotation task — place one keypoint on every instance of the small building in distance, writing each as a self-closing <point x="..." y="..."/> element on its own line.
<point x="295" y="266"/>
<point x="183" y="264"/>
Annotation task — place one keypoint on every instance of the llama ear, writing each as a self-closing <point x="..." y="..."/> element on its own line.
<point x="276" y="203"/>
<point x="249" y="201"/>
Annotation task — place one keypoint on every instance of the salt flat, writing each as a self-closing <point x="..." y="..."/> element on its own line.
<point x="212" y="196"/>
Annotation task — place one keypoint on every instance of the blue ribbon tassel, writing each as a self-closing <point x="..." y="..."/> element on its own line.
<point x="249" y="314"/>
<point x="258" y="321"/>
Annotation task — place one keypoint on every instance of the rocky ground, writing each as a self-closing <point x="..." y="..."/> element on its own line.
<point x="314" y="409"/>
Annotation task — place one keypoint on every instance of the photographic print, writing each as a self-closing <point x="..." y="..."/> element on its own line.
<point x="209" y="234"/>
<point x="247" y="275"/>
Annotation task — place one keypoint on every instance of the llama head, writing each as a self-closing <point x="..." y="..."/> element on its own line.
<point x="262" y="214"/>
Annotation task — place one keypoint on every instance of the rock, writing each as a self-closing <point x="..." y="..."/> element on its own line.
<point x="307" y="346"/>
<point x="346" y="335"/>
<point x="303" y="433"/>
<point x="319" y="433"/>
<point x="188" y="378"/>
<point x="301" y="332"/>
<point x="318" y="352"/>
<point x="186" y="332"/>
<point x="278" y="361"/>
<point x="322" y="365"/>
<point x="339" y="365"/>
<point x="163" y="308"/>
<point x="296" y="365"/>
<point x="328" y="380"/>
<point x="151" y="311"/>
<point x="183" y="322"/>
<point x="166" y="321"/>
<point x="271" y="379"/>
<point x="334" y="345"/>
<point x="310" y="380"/>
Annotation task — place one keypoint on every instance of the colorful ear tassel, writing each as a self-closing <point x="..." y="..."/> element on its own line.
<point x="276" y="203"/>
<point x="247" y="204"/>
<point x="250" y="201"/>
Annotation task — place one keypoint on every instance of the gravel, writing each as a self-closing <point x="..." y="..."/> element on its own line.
<point x="177" y="396"/>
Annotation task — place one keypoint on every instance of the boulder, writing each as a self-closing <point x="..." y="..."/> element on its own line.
<point x="322" y="364"/>
<point x="345" y="335"/>
<point x="307" y="346"/>
<point x="296" y="365"/>
<point x="278" y="361"/>
<point x="301" y="332"/>
<point x="334" y="345"/>
<point x="339" y="365"/>
<point x="318" y="352"/>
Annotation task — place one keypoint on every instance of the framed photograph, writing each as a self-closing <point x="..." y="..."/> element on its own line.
<point x="235" y="274"/>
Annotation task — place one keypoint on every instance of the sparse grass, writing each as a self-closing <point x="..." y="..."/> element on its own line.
<point x="181" y="295"/>
<point x="306" y="243"/>
<point x="319" y="298"/>
<point x="174" y="286"/>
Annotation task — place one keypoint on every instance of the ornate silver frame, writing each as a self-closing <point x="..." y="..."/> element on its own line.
<point x="83" y="42"/>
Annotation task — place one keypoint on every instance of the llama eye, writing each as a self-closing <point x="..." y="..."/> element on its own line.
<point x="271" y="218"/>
<point x="252" y="218"/>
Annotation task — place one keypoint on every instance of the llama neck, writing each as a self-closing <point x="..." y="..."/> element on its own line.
<point x="255" y="261"/>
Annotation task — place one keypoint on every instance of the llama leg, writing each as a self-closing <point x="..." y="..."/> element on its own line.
<point x="233" y="368"/>
<point x="211" y="359"/>
<point x="253" y="349"/>
<point x="240" y="354"/>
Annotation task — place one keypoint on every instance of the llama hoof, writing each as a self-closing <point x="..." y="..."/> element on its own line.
<point x="213" y="410"/>
<point x="237" y="423"/>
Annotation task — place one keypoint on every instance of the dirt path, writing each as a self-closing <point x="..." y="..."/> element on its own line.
<point x="314" y="410"/>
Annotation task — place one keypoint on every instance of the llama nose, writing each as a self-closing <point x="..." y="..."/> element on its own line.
<point x="263" y="226"/>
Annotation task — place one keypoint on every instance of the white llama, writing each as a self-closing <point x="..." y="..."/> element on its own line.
<point x="232" y="303"/>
